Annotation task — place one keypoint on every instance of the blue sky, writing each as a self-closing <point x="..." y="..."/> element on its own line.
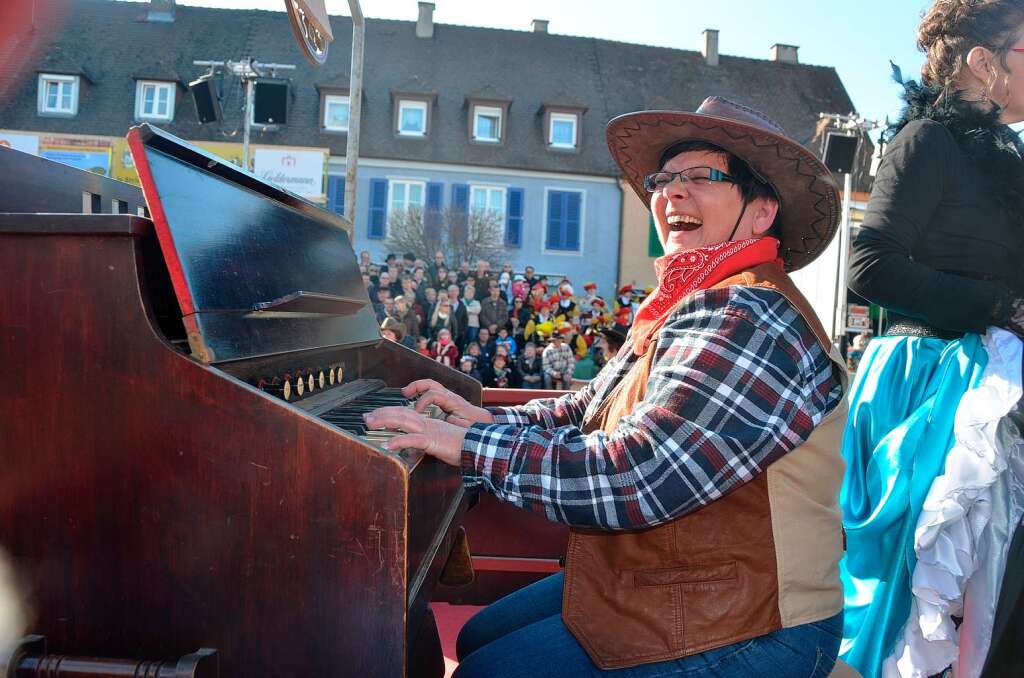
<point x="856" y="37"/>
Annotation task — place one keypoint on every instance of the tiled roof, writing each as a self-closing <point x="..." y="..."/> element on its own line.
<point x="111" y="44"/>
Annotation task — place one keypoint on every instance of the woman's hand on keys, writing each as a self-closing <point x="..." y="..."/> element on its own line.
<point x="459" y="411"/>
<point x="436" y="437"/>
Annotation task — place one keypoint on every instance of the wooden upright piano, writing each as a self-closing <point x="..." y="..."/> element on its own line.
<point x="184" y="465"/>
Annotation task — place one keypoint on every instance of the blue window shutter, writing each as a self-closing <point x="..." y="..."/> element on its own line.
<point x="514" y="218"/>
<point x="460" y="211"/>
<point x="572" y="221"/>
<point x="432" y="213"/>
<point x="555" y="212"/>
<point x="460" y="197"/>
<point x="434" y="190"/>
<point x="336" y="194"/>
<point x="378" y="208"/>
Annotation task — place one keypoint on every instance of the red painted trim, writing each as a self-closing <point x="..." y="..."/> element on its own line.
<point x="499" y="564"/>
<point x="163" y="230"/>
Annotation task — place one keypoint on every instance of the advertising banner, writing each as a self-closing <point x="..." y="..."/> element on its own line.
<point x="91" y="154"/>
<point x="123" y="168"/>
<point x="299" y="171"/>
<point x="229" y="151"/>
<point x="26" y="143"/>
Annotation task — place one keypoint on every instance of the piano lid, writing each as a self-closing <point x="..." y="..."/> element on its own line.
<point x="257" y="270"/>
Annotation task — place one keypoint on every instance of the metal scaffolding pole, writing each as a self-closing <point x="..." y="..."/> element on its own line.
<point x="249" y="71"/>
<point x="858" y="126"/>
<point x="355" y="103"/>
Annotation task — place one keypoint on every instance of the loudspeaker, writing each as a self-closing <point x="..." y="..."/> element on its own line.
<point x="204" y="94"/>
<point x="840" y="152"/>
<point x="270" y="103"/>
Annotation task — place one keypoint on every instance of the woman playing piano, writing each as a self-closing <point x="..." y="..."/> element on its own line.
<point x="699" y="471"/>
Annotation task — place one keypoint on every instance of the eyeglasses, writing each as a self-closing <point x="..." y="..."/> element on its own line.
<point x="691" y="176"/>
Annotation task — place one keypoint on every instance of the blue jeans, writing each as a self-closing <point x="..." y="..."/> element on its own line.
<point x="522" y="636"/>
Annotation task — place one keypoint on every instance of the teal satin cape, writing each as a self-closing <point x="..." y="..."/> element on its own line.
<point x="902" y="405"/>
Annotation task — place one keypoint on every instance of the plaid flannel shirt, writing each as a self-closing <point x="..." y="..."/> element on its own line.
<point x="558" y="359"/>
<point x="738" y="380"/>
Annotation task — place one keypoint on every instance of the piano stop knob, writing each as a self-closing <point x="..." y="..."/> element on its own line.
<point x="300" y="386"/>
<point x="272" y="387"/>
<point x="286" y="392"/>
<point x="320" y="379"/>
<point x="311" y="383"/>
<point x="330" y="376"/>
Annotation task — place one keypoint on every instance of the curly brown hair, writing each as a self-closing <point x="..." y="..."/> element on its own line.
<point x="951" y="28"/>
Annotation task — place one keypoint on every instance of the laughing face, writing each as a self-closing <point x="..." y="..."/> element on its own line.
<point x="698" y="214"/>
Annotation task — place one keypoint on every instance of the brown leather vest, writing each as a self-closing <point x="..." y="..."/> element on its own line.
<point x="761" y="558"/>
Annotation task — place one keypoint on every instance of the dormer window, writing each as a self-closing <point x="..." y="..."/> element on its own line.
<point x="412" y="118"/>
<point x="336" y="112"/>
<point x="154" y="100"/>
<point x="412" y="114"/>
<point x="488" y="120"/>
<point x="487" y="124"/>
<point x="58" y="94"/>
<point x="562" y="130"/>
<point x="562" y="127"/>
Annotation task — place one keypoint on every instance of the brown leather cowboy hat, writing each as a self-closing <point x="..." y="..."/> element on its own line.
<point x="809" y="198"/>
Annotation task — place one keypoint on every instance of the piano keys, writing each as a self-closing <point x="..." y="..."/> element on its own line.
<point x="170" y="489"/>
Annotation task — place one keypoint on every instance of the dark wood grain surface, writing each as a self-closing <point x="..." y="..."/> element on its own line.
<point x="153" y="504"/>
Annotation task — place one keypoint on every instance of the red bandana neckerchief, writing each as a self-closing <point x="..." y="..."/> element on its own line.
<point x="684" y="273"/>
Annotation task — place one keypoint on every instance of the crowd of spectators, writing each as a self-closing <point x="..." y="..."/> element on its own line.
<point x="506" y="329"/>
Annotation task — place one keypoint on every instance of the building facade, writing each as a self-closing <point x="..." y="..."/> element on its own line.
<point x="453" y="118"/>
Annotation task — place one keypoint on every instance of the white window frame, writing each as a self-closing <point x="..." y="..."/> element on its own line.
<point x="140" y="99"/>
<point x="71" y="81"/>
<point x="564" y="117"/>
<point x="488" y="189"/>
<point x="391" y="193"/>
<point x="336" y="99"/>
<point x="491" y="112"/>
<point x="583" y="222"/>
<point x="412" y="104"/>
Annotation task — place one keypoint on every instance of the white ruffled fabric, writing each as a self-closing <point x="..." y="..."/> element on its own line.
<point x="951" y="538"/>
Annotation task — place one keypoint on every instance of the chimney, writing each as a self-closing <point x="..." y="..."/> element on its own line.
<point x="160" y="11"/>
<point x="710" y="50"/>
<point x="425" y="22"/>
<point x="784" y="53"/>
<point x="540" y="26"/>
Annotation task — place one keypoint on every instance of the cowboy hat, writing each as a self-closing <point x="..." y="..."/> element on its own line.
<point x="808" y="197"/>
<point x="613" y="333"/>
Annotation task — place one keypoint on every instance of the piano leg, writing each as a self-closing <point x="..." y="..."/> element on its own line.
<point x="458" y="571"/>
<point x="426" y="660"/>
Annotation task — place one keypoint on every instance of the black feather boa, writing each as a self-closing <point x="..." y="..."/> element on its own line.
<point x="990" y="145"/>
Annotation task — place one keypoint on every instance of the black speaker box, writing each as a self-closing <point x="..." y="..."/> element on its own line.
<point x="840" y="152"/>
<point x="270" y="103"/>
<point x="204" y="94"/>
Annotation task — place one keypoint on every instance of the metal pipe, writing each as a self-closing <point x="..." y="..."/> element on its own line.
<point x="247" y="120"/>
<point x="355" y="106"/>
<point x="839" y="327"/>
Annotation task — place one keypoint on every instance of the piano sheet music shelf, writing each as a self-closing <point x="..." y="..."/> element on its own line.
<point x="162" y="498"/>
